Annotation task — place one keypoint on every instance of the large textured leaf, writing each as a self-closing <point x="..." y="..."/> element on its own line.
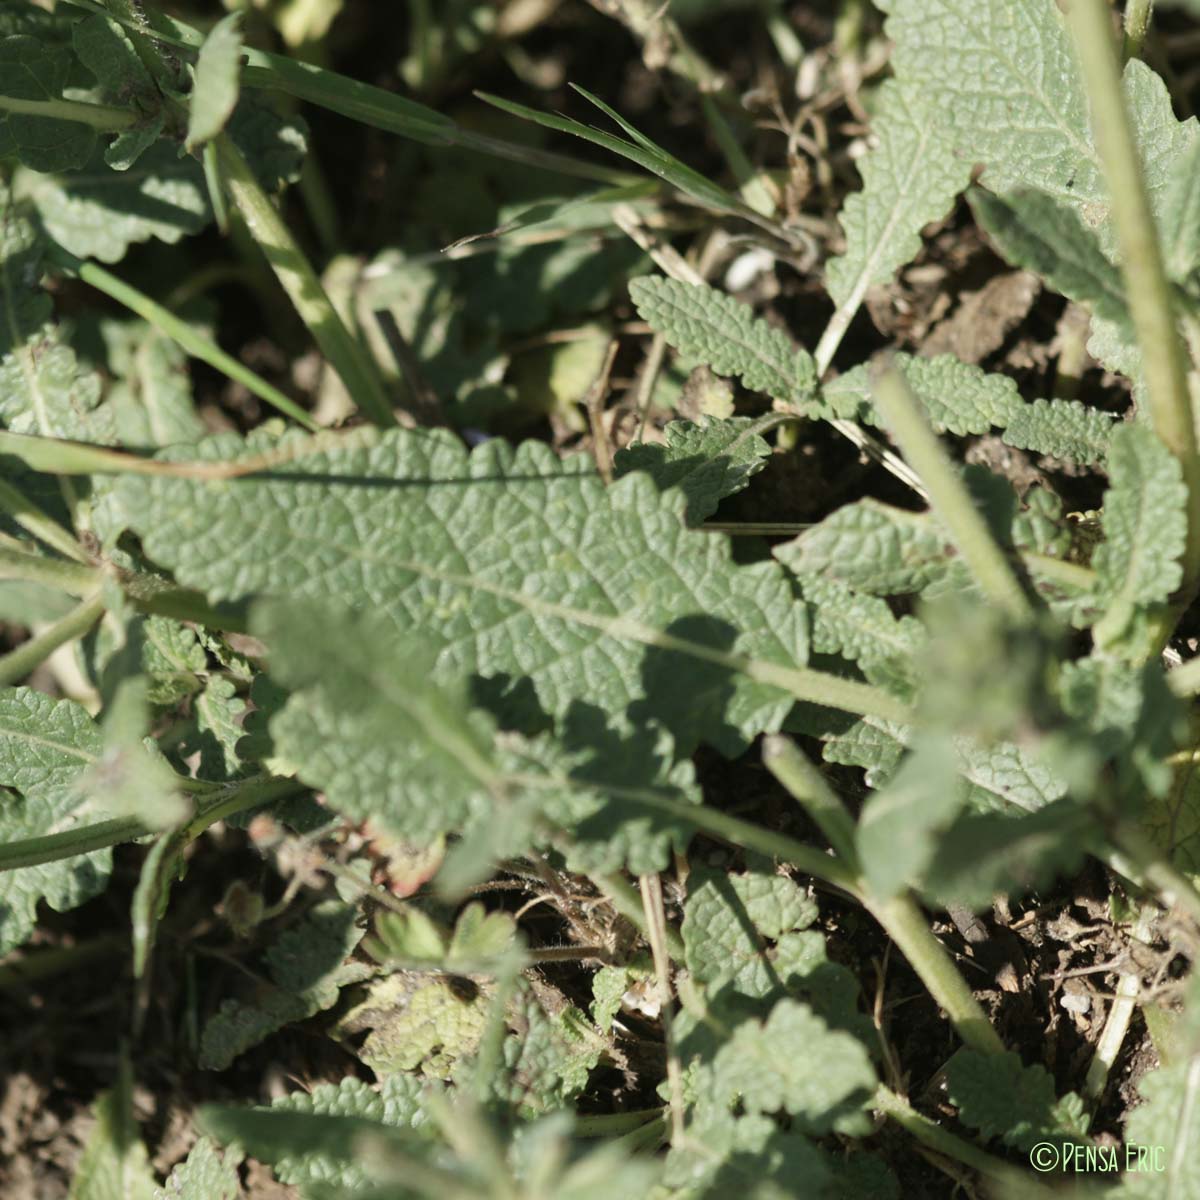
<point x="708" y="459"/>
<point x="712" y="328"/>
<point x="42" y="388"/>
<point x="368" y="725"/>
<point x="1043" y="235"/>
<point x="958" y="397"/>
<point x="45" y="746"/>
<point x="1145" y="527"/>
<point x="1003" y="75"/>
<point x="1168" y="1117"/>
<point x="32" y="70"/>
<point x="514" y="562"/>
<point x="1062" y="429"/>
<point x="910" y="179"/>
<point x="206" y="1174"/>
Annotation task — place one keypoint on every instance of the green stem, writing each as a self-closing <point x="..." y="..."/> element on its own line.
<point x="1137" y="26"/>
<point x="625" y="899"/>
<point x="34" y="520"/>
<point x="72" y="578"/>
<point x="612" y="1124"/>
<point x="18" y="663"/>
<point x="194" y="342"/>
<point x="98" y="116"/>
<point x="45" y="964"/>
<point x="249" y="793"/>
<point x="1150" y="303"/>
<point x="948" y="494"/>
<point x="300" y="281"/>
<point x="796" y="772"/>
<point x="930" y="1133"/>
<point x="906" y="925"/>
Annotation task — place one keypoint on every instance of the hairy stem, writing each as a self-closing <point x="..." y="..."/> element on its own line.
<point x="36" y="521"/>
<point x="346" y="355"/>
<point x="194" y="342"/>
<point x="906" y="925"/>
<point x="1137" y="26"/>
<point x="656" y="925"/>
<point x="72" y="578"/>
<point x="796" y="772"/>
<point x="98" y="116"/>
<point x="1154" y="318"/>
<point x="16" y="664"/>
<point x="948" y="494"/>
<point x="930" y="1133"/>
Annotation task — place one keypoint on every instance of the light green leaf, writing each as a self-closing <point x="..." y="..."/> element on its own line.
<point x="307" y="967"/>
<point x="910" y="178"/>
<point x="900" y="827"/>
<point x="1145" y="529"/>
<point x="97" y="212"/>
<point x="42" y="388"/>
<point x="715" y="329"/>
<point x="45" y="747"/>
<point x="114" y="1164"/>
<point x="511" y="562"/>
<point x="707" y="459"/>
<point x="395" y="1104"/>
<point x="207" y="1174"/>
<point x="873" y="548"/>
<point x="1179" y="219"/>
<point x="727" y="921"/>
<point x="1003" y="77"/>
<point x="863" y="629"/>
<point x="1037" y="232"/>
<point x="959" y="398"/>
<point x="217" y="81"/>
<point x="151" y="393"/>
<point x="1168" y="1117"/>
<point x="31" y="69"/>
<point x="796" y="1064"/>
<point x="1001" y="1097"/>
<point x="1063" y="429"/>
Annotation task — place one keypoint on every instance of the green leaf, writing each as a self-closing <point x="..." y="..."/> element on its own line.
<point x="151" y="393"/>
<point x="1037" y="232"/>
<point x="958" y="397"/>
<point x="45" y="747"/>
<point x="901" y="825"/>
<point x="873" y="548"/>
<point x="794" y="1063"/>
<point x="1145" y="529"/>
<point x="1063" y="429"/>
<point x="1168" y="1117"/>
<point x="715" y="329"/>
<point x="510" y="562"/>
<point x="645" y="153"/>
<point x="910" y="179"/>
<point x="217" y="81"/>
<point x="395" y="1104"/>
<point x="1003" y="78"/>
<point x="307" y="969"/>
<point x="1179" y="219"/>
<point x="707" y="459"/>
<point x="206" y="1174"/>
<point x="114" y="1164"/>
<point x="31" y="69"/>
<point x="42" y="388"/>
<point x="863" y="629"/>
<point x="1001" y="1097"/>
<point x="97" y="212"/>
<point x="727" y="921"/>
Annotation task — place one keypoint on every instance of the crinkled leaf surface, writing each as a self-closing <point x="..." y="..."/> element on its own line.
<point x="707" y="459"/>
<point x="1062" y="429"/>
<point x="45" y="746"/>
<point x="206" y="1174"/>
<point x="909" y="179"/>
<point x="509" y="558"/>
<point x="1169" y="1116"/>
<point x="958" y="396"/>
<point x="712" y="328"/>
<point x="33" y="70"/>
